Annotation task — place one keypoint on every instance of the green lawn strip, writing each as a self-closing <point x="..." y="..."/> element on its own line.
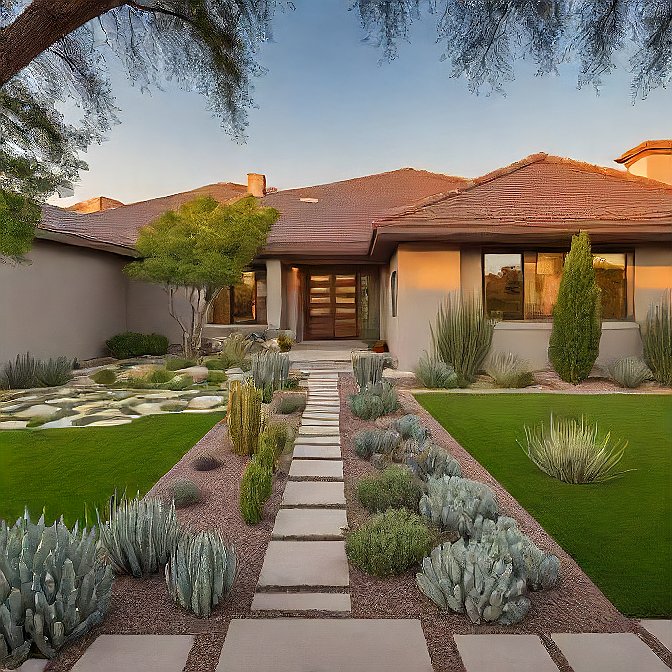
<point x="63" y="470"/>
<point x="619" y="532"/>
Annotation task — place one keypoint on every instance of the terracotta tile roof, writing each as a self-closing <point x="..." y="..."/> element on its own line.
<point x="119" y="226"/>
<point x="645" y="148"/>
<point x="340" y="221"/>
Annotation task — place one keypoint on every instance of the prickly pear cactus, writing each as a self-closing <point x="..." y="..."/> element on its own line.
<point x="200" y="572"/>
<point x="455" y="503"/>
<point x="434" y="462"/>
<point x="244" y="417"/>
<point x="53" y="587"/>
<point x="474" y="579"/>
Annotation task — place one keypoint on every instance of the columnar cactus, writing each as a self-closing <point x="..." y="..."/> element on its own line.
<point x="475" y="579"/>
<point x="53" y="587"/>
<point x="200" y="572"/>
<point x="244" y="417"/>
<point x="368" y="367"/>
<point x="455" y="503"/>
<point x="270" y="368"/>
<point x="434" y="462"/>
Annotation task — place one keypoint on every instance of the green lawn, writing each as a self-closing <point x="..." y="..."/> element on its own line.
<point x="620" y="532"/>
<point x="64" y="469"/>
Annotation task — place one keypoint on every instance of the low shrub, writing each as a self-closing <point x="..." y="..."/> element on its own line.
<point x="509" y="371"/>
<point x="393" y="488"/>
<point x="630" y="372"/>
<point x="389" y="543"/>
<point x="215" y="364"/>
<point x="374" y="401"/>
<point x="155" y="344"/>
<point x="236" y="350"/>
<point x="177" y="363"/>
<point x="434" y="373"/>
<point x="255" y="488"/>
<point x="290" y="403"/>
<point x="133" y="344"/>
<point x="370" y="441"/>
<point x="285" y="342"/>
<point x="267" y="453"/>
<point x="410" y="427"/>
<point x="159" y="376"/>
<point x="178" y="383"/>
<point x="216" y="377"/>
<point x="206" y="462"/>
<point x="434" y="462"/>
<point x="280" y="434"/>
<point x="104" y="377"/>
<point x="184" y="493"/>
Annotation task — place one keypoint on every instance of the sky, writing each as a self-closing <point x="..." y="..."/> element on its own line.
<point x="329" y="110"/>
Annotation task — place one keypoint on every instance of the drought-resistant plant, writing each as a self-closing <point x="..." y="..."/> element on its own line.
<point x="255" y="488"/>
<point x="133" y="344"/>
<point x="373" y="401"/>
<point x="393" y="488"/>
<point x="270" y="369"/>
<point x="243" y="417"/>
<point x="177" y="363"/>
<point x="462" y="334"/>
<point x="216" y="377"/>
<point x="139" y="535"/>
<point x="410" y="427"/>
<point x="577" y="316"/>
<point x="454" y="504"/>
<point x="280" y="434"/>
<point x="53" y="587"/>
<point x="184" y="492"/>
<point x="206" y="462"/>
<point x="159" y="376"/>
<point x="235" y="352"/>
<point x="434" y="462"/>
<point x="290" y="403"/>
<point x="657" y="339"/>
<point x="370" y="441"/>
<point x="21" y="373"/>
<point x="285" y="342"/>
<point x="630" y="372"/>
<point x="266" y="453"/>
<point x="54" y="371"/>
<point x="368" y="368"/>
<point x="389" y="543"/>
<point x="435" y="374"/>
<point x="573" y="451"/>
<point x="104" y="377"/>
<point x="508" y="370"/>
<point x="476" y="579"/>
<point x="178" y="383"/>
<point x="215" y="364"/>
<point x="200" y="572"/>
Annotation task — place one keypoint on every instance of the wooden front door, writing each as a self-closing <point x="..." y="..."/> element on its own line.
<point x="331" y="305"/>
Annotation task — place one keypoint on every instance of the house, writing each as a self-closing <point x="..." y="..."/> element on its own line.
<point x="372" y="257"/>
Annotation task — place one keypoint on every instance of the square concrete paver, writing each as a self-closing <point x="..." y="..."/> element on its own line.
<point x="149" y="653"/>
<point x="333" y="440"/>
<point x="319" y="415"/>
<point x="307" y="469"/>
<point x="504" y="653"/>
<point x="304" y="563"/>
<point x="313" y="493"/>
<point x="316" y="524"/>
<point x="319" y="430"/>
<point x="324" y="645"/>
<point x="308" y="452"/>
<point x="334" y="602"/>
<point x="661" y="629"/>
<point x="597" y="652"/>
<point x="319" y="422"/>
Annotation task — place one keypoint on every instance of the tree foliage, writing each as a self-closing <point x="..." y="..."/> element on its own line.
<point x="200" y="248"/>
<point x="19" y="216"/>
<point x="577" y="324"/>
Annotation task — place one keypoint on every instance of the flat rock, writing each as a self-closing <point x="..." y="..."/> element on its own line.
<point x="313" y="493"/>
<point x="312" y="524"/>
<point x="504" y="653"/>
<point x="619" y="652"/>
<point x="307" y="469"/>
<point x="147" y="408"/>
<point x="317" y="430"/>
<point x="345" y="645"/>
<point x="37" y="411"/>
<point x="205" y="402"/>
<point x="21" y="424"/>
<point x="661" y="629"/>
<point x="308" y="452"/>
<point x="198" y="373"/>
<point x="124" y="653"/>
<point x="304" y="563"/>
<point x="32" y="665"/>
<point x="319" y="415"/>
<point x="332" y="602"/>
<point x="334" y="440"/>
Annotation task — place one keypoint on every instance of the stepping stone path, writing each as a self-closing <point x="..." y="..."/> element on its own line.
<point x="305" y="562"/>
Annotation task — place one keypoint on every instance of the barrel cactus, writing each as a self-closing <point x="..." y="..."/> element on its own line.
<point x="139" y="535"/>
<point x="200" y="572"/>
<point x="53" y="587"/>
<point x="475" y="579"/>
<point x="455" y="503"/>
<point x="244" y="417"/>
<point x="434" y="462"/>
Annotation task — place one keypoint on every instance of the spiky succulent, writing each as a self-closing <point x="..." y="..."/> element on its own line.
<point x="434" y="462"/>
<point x="370" y="441"/>
<point x="410" y="427"/>
<point x="368" y="368"/>
<point x="270" y="369"/>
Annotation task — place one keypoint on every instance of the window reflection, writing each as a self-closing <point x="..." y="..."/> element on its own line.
<point x="610" y="277"/>
<point x="504" y="286"/>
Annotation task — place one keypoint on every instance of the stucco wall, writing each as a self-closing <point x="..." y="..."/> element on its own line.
<point x="653" y="274"/>
<point x="654" y="166"/>
<point x="68" y="301"/>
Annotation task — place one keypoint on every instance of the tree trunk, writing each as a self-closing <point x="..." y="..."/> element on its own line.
<point x="40" y="26"/>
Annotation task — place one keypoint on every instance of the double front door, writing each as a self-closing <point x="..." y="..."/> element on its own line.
<point x="331" y="305"/>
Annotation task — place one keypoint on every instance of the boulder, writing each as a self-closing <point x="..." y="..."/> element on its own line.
<point x="205" y="402"/>
<point x="37" y="411"/>
<point x="198" y="373"/>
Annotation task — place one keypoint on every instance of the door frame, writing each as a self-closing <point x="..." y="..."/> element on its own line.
<point x="331" y="271"/>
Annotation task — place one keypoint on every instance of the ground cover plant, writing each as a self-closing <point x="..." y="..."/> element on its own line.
<point x="619" y="531"/>
<point x="393" y="488"/>
<point x="93" y="463"/>
<point x="373" y="401"/>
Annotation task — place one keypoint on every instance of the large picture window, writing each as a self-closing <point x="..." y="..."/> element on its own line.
<point x="244" y="303"/>
<point x="524" y="285"/>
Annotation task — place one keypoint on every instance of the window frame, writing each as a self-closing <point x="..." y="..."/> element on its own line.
<point x="230" y="290"/>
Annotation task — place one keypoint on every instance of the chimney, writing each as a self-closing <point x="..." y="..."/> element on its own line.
<point x="651" y="158"/>
<point x="95" y="204"/>
<point x="256" y="184"/>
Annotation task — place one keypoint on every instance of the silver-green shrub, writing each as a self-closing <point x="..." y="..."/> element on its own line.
<point x="573" y="451"/>
<point x="200" y="572"/>
<point x="630" y="372"/>
<point x="374" y="400"/>
<point x="270" y="369"/>
<point x="657" y="339"/>
<point x="434" y="373"/>
<point x="410" y="427"/>
<point x="477" y="579"/>
<point x="370" y="441"/>
<point x="455" y="504"/>
<point x="434" y="462"/>
<point x="139" y="535"/>
<point x="53" y="587"/>
<point x="368" y="367"/>
<point x="508" y="370"/>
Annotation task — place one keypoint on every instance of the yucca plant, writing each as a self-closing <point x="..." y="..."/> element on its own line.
<point x="243" y="417"/>
<point x="270" y="369"/>
<point x="573" y="451"/>
<point x="21" y="373"/>
<point x="657" y="339"/>
<point x="435" y="374"/>
<point x="236" y="351"/>
<point x="200" y="572"/>
<point x="509" y="370"/>
<point x="630" y="372"/>
<point x="462" y="335"/>
<point x="54" y="372"/>
<point x="367" y="367"/>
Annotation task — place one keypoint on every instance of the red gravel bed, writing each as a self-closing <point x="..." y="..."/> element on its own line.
<point x="577" y="605"/>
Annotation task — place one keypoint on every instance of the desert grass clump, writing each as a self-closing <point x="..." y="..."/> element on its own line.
<point x="235" y="352"/>
<point x="657" y="339"/>
<point x="184" y="492"/>
<point x="243" y="417"/>
<point x="573" y="451"/>
<point x="371" y="441"/>
<point x="26" y="372"/>
<point x="509" y="371"/>
<point x="389" y="543"/>
<point x="105" y="377"/>
<point x="435" y="374"/>
<point x="206" y="462"/>
<point x="393" y="488"/>
<point x="630" y="372"/>
<point x="256" y="487"/>
<point x="462" y="335"/>
<point x="216" y="377"/>
<point x="290" y="403"/>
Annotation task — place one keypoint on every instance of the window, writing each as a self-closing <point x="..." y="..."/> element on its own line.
<point x="525" y="285"/>
<point x="244" y="303"/>
<point x="393" y="292"/>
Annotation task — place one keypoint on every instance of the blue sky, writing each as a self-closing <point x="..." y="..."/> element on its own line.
<point x="327" y="110"/>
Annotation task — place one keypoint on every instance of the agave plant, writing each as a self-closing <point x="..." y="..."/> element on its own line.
<point x="573" y="451"/>
<point x="508" y="370"/>
<point x="54" y="372"/>
<point x="370" y="441"/>
<point x="434" y="373"/>
<point x="657" y="339"/>
<point x="630" y="372"/>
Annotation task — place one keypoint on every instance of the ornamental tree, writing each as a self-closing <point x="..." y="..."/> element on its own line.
<point x="199" y="249"/>
<point x="577" y="315"/>
<point x="19" y="216"/>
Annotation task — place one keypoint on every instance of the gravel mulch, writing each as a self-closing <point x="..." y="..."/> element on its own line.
<point x="577" y="605"/>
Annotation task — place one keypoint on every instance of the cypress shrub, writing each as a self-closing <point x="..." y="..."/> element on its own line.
<point x="577" y="315"/>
